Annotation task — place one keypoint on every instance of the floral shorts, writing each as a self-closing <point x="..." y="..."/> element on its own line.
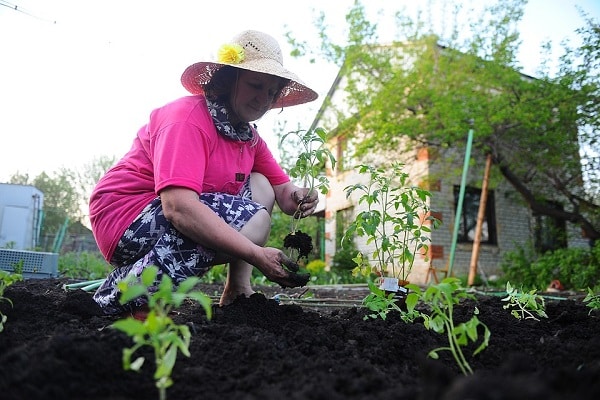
<point x="152" y="240"/>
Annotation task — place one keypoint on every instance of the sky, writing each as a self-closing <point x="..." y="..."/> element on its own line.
<point x="78" y="78"/>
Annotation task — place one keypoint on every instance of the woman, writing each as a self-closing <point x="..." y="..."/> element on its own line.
<point x="198" y="185"/>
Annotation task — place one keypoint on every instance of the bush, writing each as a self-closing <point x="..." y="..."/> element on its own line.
<point x="316" y="267"/>
<point x="84" y="265"/>
<point x="217" y="274"/>
<point x="575" y="268"/>
<point x="343" y="258"/>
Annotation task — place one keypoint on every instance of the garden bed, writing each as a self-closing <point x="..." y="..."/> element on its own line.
<point x="57" y="345"/>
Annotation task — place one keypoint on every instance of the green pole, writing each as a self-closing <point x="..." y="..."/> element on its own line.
<point x="459" y="206"/>
<point x="60" y="235"/>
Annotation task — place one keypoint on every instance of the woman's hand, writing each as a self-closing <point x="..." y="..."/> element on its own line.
<point x="306" y="201"/>
<point x="271" y="265"/>
<point x="296" y="201"/>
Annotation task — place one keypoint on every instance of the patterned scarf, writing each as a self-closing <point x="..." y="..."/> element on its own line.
<point x="220" y="117"/>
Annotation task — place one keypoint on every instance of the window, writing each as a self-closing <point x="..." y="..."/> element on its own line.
<point x="344" y="154"/>
<point x="343" y="219"/>
<point x="549" y="233"/>
<point x="468" y="218"/>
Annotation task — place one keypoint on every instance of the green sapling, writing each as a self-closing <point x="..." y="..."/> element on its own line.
<point x="158" y="329"/>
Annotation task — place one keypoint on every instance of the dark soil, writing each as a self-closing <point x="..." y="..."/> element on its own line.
<point x="57" y="345"/>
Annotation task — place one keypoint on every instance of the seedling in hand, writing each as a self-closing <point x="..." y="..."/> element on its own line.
<point x="308" y="169"/>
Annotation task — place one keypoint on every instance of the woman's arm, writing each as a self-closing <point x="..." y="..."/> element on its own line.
<point x="183" y="208"/>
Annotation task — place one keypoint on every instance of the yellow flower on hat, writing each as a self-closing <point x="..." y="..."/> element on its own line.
<point x="231" y="54"/>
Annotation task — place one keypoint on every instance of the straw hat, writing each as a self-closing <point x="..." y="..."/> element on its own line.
<point x="253" y="51"/>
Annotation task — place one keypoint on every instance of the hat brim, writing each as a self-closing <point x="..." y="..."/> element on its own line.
<point x="295" y="92"/>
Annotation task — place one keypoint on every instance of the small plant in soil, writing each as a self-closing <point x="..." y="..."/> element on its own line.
<point x="7" y="279"/>
<point x="525" y="305"/>
<point x="592" y="300"/>
<point x="397" y="222"/>
<point x="441" y="299"/>
<point x="158" y="330"/>
<point x="308" y="170"/>
<point x="379" y="303"/>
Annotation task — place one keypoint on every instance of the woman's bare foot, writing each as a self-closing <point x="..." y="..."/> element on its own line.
<point x="229" y="295"/>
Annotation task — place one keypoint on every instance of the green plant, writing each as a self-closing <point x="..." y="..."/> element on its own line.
<point x="10" y="245"/>
<point x="343" y="259"/>
<point x="575" y="268"/>
<point x="396" y="221"/>
<point x="158" y="330"/>
<point x="85" y="265"/>
<point x="379" y="302"/>
<point x="7" y="279"/>
<point x="310" y="163"/>
<point x="217" y="274"/>
<point x="592" y="300"/>
<point x="307" y="169"/>
<point x="524" y="304"/>
<point x="441" y="299"/>
<point x="316" y="267"/>
<point x="18" y="267"/>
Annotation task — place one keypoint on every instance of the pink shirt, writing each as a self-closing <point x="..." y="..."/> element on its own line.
<point x="180" y="147"/>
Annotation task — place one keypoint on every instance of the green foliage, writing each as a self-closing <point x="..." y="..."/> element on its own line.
<point x="343" y="259"/>
<point x="217" y="274"/>
<point x="158" y="330"/>
<point x="592" y="300"/>
<point x="396" y="220"/>
<point x="441" y="299"/>
<point x="339" y="277"/>
<point x="575" y="268"/>
<point x="423" y="88"/>
<point x="316" y="267"/>
<point x="524" y="304"/>
<point x="18" y="267"/>
<point x="379" y="302"/>
<point x="311" y="161"/>
<point x="6" y="279"/>
<point x="66" y="192"/>
<point x="83" y="265"/>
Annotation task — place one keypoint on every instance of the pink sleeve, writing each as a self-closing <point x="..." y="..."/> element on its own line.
<point x="265" y="163"/>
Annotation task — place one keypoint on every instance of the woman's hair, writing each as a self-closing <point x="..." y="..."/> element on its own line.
<point x="222" y="81"/>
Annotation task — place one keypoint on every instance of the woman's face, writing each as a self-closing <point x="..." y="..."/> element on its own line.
<point x="253" y="95"/>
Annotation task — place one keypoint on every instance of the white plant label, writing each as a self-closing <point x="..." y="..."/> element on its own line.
<point x="389" y="284"/>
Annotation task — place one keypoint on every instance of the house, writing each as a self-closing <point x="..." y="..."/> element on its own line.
<point x="507" y="221"/>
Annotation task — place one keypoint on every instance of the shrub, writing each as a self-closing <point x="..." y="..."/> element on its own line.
<point x="575" y="268"/>
<point x="316" y="267"/>
<point x="83" y="265"/>
<point x="343" y="258"/>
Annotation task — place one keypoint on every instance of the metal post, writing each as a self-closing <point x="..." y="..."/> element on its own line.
<point x="459" y="206"/>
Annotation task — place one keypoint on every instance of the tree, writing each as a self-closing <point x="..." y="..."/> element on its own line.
<point x="541" y="132"/>
<point x="61" y="200"/>
<point x="66" y="193"/>
<point x="87" y="178"/>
